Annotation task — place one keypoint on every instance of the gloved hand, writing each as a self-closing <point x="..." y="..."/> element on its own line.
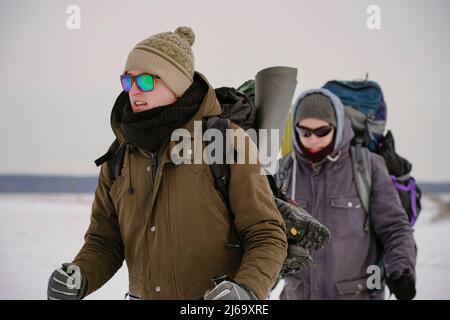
<point x="402" y="284"/>
<point x="66" y="283"/>
<point x="227" y="289"/>
<point x="297" y="259"/>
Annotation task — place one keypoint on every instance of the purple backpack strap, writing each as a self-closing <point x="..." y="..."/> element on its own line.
<point x="408" y="185"/>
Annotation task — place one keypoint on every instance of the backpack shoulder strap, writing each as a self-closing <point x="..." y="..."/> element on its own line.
<point x="114" y="157"/>
<point x="222" y="172"/>
<point x="362" y="172"/>
<point x="109" y="154"/>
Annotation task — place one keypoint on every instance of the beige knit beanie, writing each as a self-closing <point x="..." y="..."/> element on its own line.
<point x="318" y="106"/>
<point x="167" y="55"/>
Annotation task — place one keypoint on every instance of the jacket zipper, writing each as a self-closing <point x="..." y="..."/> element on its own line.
<point x="129" y="149"/>
<point x="154" y="165"/>
<point x="154" y="169"/>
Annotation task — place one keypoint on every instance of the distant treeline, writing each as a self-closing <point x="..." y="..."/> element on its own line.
<point x="71" y="184"/>
<point x="47" y="184"/>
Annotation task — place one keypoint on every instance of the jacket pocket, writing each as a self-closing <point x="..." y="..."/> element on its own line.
<point x="348" y="217"/>
<point x="353" y="289"/>
<point x="346" y="203"/>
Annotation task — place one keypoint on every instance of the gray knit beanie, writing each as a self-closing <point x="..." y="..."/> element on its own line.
<point x="317" y="106"/>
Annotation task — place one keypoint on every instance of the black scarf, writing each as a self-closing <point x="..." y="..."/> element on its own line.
<point x="317" y="156"/>
<point x="149" y="129"/>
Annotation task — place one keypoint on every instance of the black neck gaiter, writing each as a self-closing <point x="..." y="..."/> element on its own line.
<point x="317" y="156"/>
<point x="149" y="129"/>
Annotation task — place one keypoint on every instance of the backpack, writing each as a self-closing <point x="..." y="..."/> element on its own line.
<point x="364" y="105"/>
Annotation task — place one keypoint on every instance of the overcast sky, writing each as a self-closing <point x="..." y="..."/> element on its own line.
<point x="58" y="85"/>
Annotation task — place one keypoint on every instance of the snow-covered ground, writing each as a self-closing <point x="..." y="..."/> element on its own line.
<point x="38" y="231"/>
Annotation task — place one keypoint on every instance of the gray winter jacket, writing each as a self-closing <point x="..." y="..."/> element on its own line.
<point x="327" y="190"/>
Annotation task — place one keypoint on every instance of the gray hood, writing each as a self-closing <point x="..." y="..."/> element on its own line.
<point x="344" y="131"/>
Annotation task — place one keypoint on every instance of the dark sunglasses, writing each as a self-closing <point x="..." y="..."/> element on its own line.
<point x="319" y="132"/>
<point x="145" y="82"/>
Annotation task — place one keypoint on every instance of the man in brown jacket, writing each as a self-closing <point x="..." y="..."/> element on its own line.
<point x="167" y="220"/>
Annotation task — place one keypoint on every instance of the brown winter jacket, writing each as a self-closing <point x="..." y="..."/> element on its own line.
<point x="173" y="229"/>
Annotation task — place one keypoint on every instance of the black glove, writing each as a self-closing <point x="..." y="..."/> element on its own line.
<point x="66" y="283"/>
<point x="402" y="284"/>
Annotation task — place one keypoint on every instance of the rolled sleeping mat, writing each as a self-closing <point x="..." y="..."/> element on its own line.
<point x="274" y="91"/>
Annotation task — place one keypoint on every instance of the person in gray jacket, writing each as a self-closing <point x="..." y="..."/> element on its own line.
<point x="318" y="176"/>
